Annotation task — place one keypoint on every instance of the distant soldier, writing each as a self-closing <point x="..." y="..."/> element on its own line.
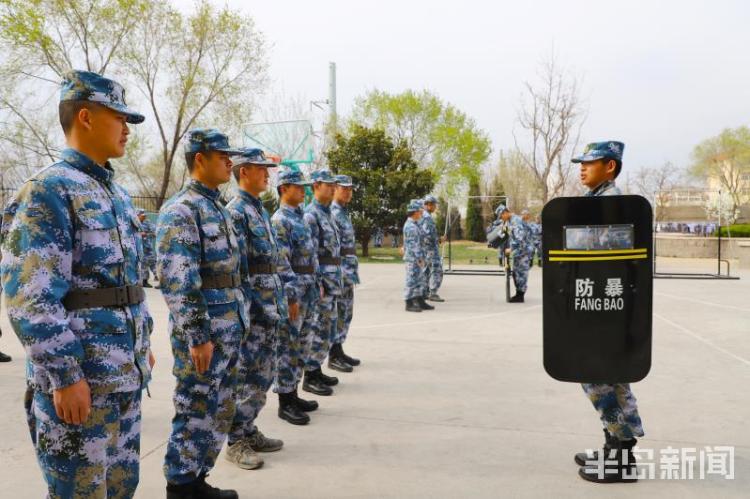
<point x="148" y="236"/>
<point x="498" y="233"/>
<point x="198" y="261"/>
<point x="414" y="257"/>
<point x="521" y="249"/>
<point x="536" y="233"/>
<point x="434" y="268"/>
<point x="338" y="359"/>
<point x="601" y="163"/>
<point x="264" y="293"/>
<point x="328" y="246"/>
<point x="71" y="270"/>
<point x="298" y="268"/>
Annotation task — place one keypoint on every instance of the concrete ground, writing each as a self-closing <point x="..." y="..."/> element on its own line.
<point x="456" y="403"/>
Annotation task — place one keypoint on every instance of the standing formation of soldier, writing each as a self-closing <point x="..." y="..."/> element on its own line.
<point x="254" y="301"/>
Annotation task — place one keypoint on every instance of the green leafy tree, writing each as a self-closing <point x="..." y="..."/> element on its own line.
<point x="441" y="138"/>
<point x="385" y="178"/>
<point x="474" y="222"/>
<point x="724" y="163"/>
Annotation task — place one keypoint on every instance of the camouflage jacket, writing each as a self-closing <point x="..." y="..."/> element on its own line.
<point x="296" y="247"/>
<point x="70" y="227"/>
<point x="349" y="263"/>
<point x="521" y="240"/>
<point x="536" y="232"/>
<point x="326" y="241"/>
<point x="431" y="238"/>
<point x="258" y="246"/>
<point x="194" y="237"/>
<point x="413" y="241"/>
<point x="148" y="235"/>
<point x="607" y="188"/>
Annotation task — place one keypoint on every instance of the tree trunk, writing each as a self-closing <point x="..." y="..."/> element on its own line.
<point x="365" y="242"/>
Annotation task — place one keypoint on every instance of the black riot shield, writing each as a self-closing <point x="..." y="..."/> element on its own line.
<point x="597" y="288"/>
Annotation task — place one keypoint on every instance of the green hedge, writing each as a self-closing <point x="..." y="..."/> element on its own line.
<point x="738" y="230"/>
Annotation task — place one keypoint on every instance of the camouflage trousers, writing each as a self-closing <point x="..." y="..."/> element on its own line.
<point x="204" y="405"/>
<point x="345" y="306"/>
<point x="434" y="273"/>
<point x="617" y="409"/>
<point x="294" y="338"/>
<point x="149" y="264"/>
<point x="521" y="265"/>
<point x="98" y="459"/>
<point x="255" y="373"/>
<point x="322" y="332"/>
<point x="415" y="285"/>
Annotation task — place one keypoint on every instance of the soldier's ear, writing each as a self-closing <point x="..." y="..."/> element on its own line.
<point x="611" y="167"/>
<point x="85" y="118"/>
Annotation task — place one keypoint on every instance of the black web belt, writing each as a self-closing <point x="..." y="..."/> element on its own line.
<point x="220" y="280"/>
<point x="119" y="296"/>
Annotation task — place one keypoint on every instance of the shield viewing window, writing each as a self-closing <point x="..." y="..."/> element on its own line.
<point x="598" y="237"/>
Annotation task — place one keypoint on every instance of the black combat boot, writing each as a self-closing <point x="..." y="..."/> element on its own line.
<point x="336" y="360"/>
<point x="5" y="357"/>
<point x="412" y="306"/>
<point x="617" y="464"/>
<point x="328" y="380"/>
<point x="314" y="384"/>
<point x="518" y="297"/>
<point x="423" y="304"/>
<point x="435" y="297"/>
<point x="352" y="361"/>
<point x="290" y="411"/>
<point x="304" y="405"/>
<point x="198" y="489"/>
<point x="582" y="457"/>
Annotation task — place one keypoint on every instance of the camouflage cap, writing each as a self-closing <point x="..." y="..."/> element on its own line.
<point x="501" y="208"/>
<point x="323" y="176"/>
<point x="600" y="150"/>
<point x="91" y="87"/>
<point x="291" y="176"/>
<point x="252" y="156"/>
<point x="208" y="139"/>
<point x="344" y="180"/>
<point x="414" y="205"/>
<point x="430" y="199"/>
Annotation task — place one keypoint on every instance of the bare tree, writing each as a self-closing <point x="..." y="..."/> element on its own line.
<point x="41" y="41"/>
<point x="551" y="115"/>
<point x="196" y="70"/>
<point x="656" y="184"/>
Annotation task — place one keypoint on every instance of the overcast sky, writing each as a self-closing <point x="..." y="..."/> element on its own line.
<point x="659" y="75"/>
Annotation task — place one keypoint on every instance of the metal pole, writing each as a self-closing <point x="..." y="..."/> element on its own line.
<point x="332" y="125"/>
<point x="718" y="260"/>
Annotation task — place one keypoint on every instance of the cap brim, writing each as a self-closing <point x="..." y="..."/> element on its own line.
<point x="344" y="185"/>
<point x="268" y="164"/>
<point x="301" y="182"/>
<point x="131" y="116"/>
<point x="324" y="181"/>
<point x="231" y="152"/>
<point x="583" y="158"/>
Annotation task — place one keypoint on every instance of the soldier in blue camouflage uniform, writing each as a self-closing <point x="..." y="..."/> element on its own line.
<point x="148" y="236"/>
<point x="264" y="294"/>
<point x="536" y="233"/>
<point x="337" y="358"/>
<point x="198" y="263"/>
<point x="328" y="247"/>
<point x="71" y="271"/>
<point x="434" y="268"/>
<point x="501" y="230"/>
<point x="601" y="163"/>
<point x="521" y="249"/>
<point x="414" y="257"/>
<point x="298" y="268"/>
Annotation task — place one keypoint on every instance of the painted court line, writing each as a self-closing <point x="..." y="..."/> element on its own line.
<point x="703" y="302"/>
<point x="447" y="319"/>
<point x="703" y="340"/>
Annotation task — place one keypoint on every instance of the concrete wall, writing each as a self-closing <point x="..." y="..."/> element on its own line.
<point x="699" y="247"/>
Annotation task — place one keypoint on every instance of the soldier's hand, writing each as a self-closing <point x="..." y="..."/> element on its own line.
<point x="73" y="403"/>
<point x="401" y="250"/>
<point x="507" y="251"/>
<point x="201" y="355"/>
<point x="151" y="359"/>
<point x="322" y="292"/>
<point x="293" y="311"/>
